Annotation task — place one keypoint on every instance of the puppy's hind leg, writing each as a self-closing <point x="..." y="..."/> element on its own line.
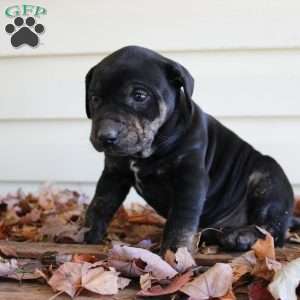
<point x="270" y="202"/>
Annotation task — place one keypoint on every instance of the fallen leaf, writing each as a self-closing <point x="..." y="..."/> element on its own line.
<point x="145" y="244"/>
<point x="174" y="286"/>
<point x="266" y="268"/>
<point x="8" y="267"/>
<point x="243" y="264"/>
<point x="146" y="281"/>
<point x="26" y="232"/>
<point x="181" y="260"/>
<point x="125" y="259"/>
<point x="214" y="283"/>
<point x="286" y="281"/>
<point x="229" y="296"/>
<point x="294" y="238"/>
<point x="266" y="264"/>
<point x="264" y="247"/>
<point x="67" y="278"/>
<point x="97" y="279"/>
<point x="31" y="217"/>
<point x="259" y="292"/>
<point x="78" y="258"/>
<point x="144" y="215"/>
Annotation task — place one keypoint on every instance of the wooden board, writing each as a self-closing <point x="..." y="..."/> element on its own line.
<point x="35" y="291"/>
<point x="10" y="290"/>
<point x="36" y="250"/>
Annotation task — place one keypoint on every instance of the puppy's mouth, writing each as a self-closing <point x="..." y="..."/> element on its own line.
<point x="117" y="149"/>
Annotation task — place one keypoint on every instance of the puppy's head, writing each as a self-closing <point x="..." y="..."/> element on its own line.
<point x="129" y="96"/>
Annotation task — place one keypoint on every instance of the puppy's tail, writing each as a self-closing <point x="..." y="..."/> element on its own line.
<point x="295" y="223"/>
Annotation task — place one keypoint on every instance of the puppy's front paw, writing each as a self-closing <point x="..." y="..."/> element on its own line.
<point x="239" y="239"/>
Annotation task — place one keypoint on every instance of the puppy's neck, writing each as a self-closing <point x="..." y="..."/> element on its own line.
<point x="174" y="129"/>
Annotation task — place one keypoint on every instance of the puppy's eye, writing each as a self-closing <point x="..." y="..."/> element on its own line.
<point x="140" y="95"/>
<point x="96" y="99"/>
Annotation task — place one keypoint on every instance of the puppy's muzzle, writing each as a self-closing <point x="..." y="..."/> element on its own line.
<point x="108" y="136"/>
<point x="108" y="133"/>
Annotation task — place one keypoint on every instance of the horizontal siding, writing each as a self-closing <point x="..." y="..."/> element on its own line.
<point x="60" y="150"/>
<point x="74" y="26"/>
<point x="85" y="188"/>
<point x="244" y="56"/>
<point x="228" y="83"/>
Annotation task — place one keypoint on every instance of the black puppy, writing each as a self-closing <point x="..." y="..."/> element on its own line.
<point x="183" y="162"/>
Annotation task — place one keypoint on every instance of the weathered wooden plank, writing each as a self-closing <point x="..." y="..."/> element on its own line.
<point x="36" y="250"/>
<point x="287" y="253"/>
<point x="36" y="291"/>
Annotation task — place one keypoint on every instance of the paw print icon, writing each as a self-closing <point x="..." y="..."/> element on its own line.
<point x="24" y="33"/>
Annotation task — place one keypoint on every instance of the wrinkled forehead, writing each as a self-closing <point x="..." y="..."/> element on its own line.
<point x="109" y="77"/>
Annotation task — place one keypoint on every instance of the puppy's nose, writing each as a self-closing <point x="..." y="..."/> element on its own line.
<point x="108" y="136"/>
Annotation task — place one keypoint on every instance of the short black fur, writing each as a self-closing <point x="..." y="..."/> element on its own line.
<point x="197" y="173"/>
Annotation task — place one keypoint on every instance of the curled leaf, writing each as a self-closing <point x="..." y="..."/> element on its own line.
<point x="141" y="261"/>
<point x="97" y="279"/>
<point x="214" y="283"/>
<point x="258" y="292"/>
<point x="266" y="264"/>
<point x="175" y="285"/>
<point x="264" y="247"/>
<point x="181" y="260"/>
<point x="243" y="264"/>
<point x="67" y="278"/>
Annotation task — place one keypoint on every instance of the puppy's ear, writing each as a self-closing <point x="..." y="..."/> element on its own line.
<point x="88" y="79"/>
<point x="181" y="78"/>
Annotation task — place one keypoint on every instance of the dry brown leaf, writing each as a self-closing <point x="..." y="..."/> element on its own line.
<point x="181" y="260"/>
<point x="214" y="283"/>
<point x="243" y="264"/>
<point x="229" y="296"/>
<point x="67" y="278"/>
<point x="31" y="217"/>
<point x="26" y="232"/>
<point x="259" y="292"/>
<point x="265" y="247"/>
<point x="174" y="286"/>
<point x="97" y="279"/>
<point x="10" y="218"/>
<point x="79" y="258"/>
<point x="147" y="218"/>
<point x="73" y="277"/>
<point x="266" y="264"/>
<point x="266" y="268"/>
<point x="125" y="258"/>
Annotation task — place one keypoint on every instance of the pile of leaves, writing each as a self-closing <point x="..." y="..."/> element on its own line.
<point x="54" y="215"/>
<point x="133" y="238"/>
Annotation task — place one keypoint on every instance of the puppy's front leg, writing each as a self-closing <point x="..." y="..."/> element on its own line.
<point x="190" y="186"/>
<point x="112" y="189"/>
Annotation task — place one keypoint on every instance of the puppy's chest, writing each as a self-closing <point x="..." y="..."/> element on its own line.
<point x="151" y="180"/>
